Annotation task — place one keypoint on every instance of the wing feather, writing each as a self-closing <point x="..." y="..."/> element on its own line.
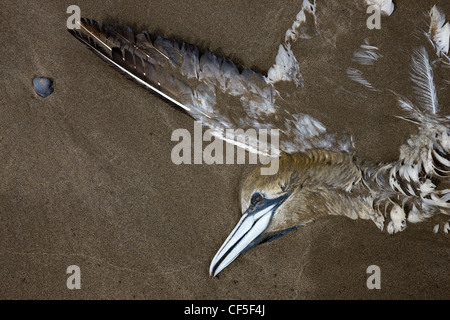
<point x="210" y="89"/>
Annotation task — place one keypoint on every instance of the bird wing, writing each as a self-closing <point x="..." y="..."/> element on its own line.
<point x="212" y="89"/>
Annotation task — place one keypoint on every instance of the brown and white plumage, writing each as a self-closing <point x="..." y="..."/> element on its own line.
<point x="319" y="173"/>
<point x="211" y="89"/>
<point x="439" y="33"/>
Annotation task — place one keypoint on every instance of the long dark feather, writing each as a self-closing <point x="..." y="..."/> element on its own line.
<point x="139" y="60"/>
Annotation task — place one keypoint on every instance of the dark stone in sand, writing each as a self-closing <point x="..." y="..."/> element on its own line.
<point x="43" y="86"/>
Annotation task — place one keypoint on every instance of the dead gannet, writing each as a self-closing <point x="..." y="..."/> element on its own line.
<point x="319" y="174"/>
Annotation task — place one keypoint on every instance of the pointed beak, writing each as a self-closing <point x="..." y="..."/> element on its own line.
<point x="248" y="233"/>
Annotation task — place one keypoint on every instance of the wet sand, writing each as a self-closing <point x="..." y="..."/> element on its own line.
<point x="86" y="177"/>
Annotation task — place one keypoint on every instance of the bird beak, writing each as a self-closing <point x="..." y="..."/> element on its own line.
<point x="248" y="233"/>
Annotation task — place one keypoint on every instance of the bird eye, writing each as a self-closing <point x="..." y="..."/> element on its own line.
<point x="256" y="199"/>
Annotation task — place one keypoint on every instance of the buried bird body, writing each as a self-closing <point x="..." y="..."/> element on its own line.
<point x="319" y="173"/>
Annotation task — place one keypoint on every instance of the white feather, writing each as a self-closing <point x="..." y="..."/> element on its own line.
<point x="436" y="228"/>
<point x="414" y="216"/>
<point x="422" y="76"/>
<point x="293" y="33"/>
<point x="426" y="188"/>
<point x="357" y="76"/>
<point x="367" y="55"/>
<point x="286" y="67"/>
<point x="446" y="227"/>
<point x="439" y="31"/>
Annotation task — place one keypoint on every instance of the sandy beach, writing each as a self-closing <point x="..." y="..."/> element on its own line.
<point x="86" y="176"/>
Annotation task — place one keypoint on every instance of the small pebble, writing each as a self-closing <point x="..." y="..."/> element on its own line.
<point x="43" y="86"/>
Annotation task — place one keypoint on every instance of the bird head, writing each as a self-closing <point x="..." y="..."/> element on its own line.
<point x="273" y="205"/>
